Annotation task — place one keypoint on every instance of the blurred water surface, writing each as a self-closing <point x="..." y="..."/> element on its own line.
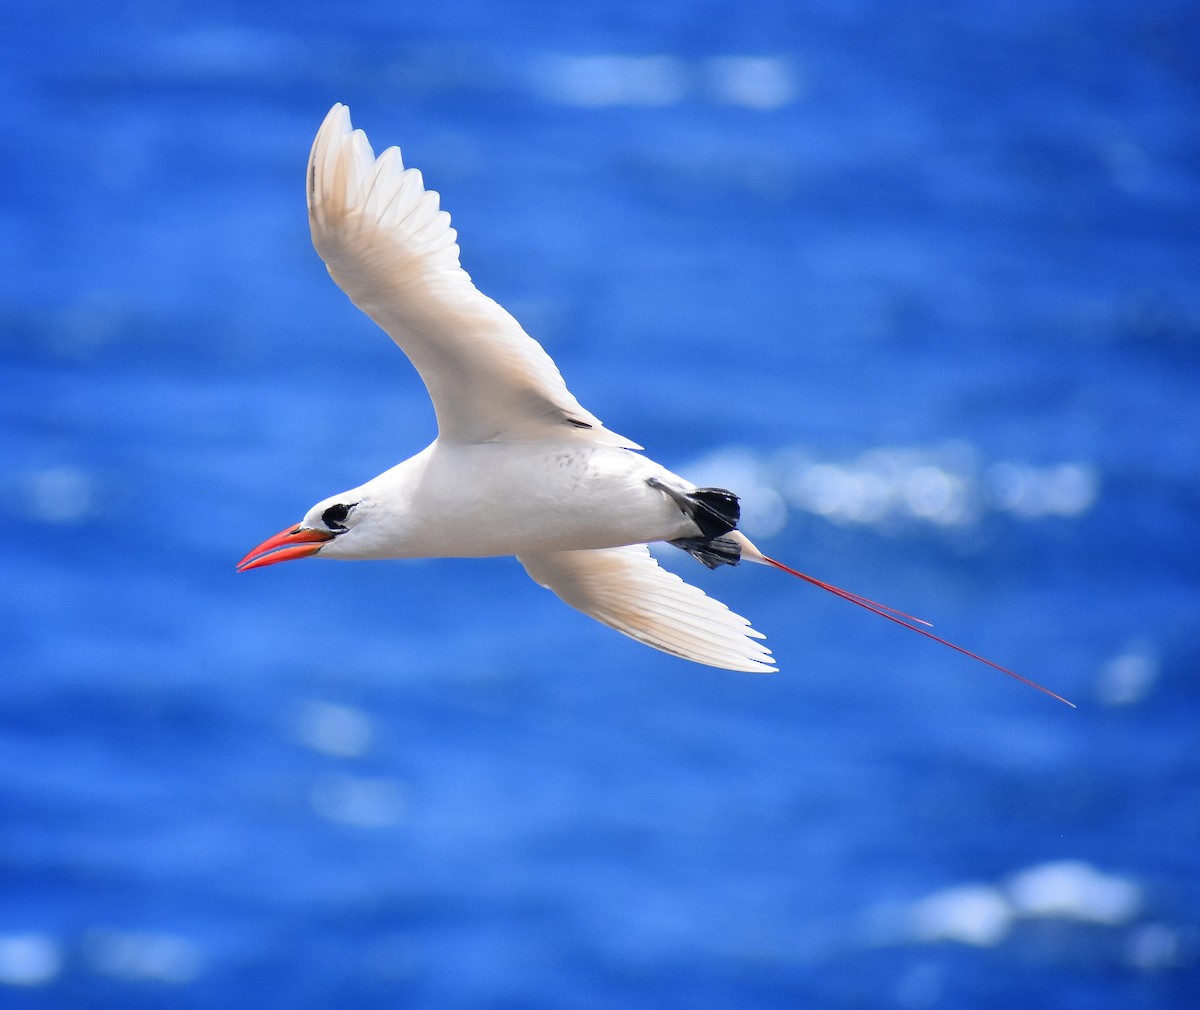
<point x="921" y="284"/>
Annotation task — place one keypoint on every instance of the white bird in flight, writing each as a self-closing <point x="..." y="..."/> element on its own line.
<point x="518" y="466"/>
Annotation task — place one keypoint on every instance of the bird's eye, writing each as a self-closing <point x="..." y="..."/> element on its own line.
<point x="335" y="516"/>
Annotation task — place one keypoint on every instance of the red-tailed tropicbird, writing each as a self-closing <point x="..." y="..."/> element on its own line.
<point x="519" y="466"/>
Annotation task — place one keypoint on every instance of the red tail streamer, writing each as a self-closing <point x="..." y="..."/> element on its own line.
<point x="910" y="622"/>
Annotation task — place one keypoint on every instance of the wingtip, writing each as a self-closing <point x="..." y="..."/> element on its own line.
<point x="336" y="123"/>
<point x="337" y="111"/>
<point x="337" y="120"/>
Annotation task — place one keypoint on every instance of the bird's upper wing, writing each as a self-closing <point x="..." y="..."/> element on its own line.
<point x="394" y="253"/>
<point x="625" y="588"/>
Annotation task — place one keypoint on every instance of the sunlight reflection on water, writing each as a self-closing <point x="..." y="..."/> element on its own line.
<point x="946" y="486"/>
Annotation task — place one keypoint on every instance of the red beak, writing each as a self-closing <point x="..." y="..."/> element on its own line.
<point x="294" y="542"/>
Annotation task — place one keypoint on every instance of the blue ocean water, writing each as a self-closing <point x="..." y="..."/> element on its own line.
<point x="921" y="283"/>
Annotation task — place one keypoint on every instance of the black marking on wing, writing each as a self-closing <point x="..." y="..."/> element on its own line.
<point x="716" y="511"/>
<point x="712" y="552"/>
<point x="713" y="509"/>
<point x="537" y="404"/>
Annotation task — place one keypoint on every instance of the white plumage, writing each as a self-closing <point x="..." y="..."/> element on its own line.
<point x="625" y="588"/>
<point x="519" y="465"/>
<point x="393" y="252"/>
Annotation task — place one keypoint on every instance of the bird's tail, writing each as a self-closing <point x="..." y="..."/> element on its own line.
<point x="751" y="553"/>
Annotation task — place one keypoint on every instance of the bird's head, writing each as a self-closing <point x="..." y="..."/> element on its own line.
<point x="325" y="522"/>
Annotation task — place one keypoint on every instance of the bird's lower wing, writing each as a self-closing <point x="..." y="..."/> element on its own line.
<point x="625" y="588"/>
<point x="394" y="253"/>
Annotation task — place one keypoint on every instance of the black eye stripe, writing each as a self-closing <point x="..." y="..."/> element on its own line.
<point x="335" y="516"/>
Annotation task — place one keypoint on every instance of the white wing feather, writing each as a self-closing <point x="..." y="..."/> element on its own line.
<point x="625" y="588"/>
<point x="394" y="253"/>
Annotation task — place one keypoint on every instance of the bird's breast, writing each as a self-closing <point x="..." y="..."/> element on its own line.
<point x="504" y="498"/>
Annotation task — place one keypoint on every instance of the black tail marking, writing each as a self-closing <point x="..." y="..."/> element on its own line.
<point x="712" y="552"/>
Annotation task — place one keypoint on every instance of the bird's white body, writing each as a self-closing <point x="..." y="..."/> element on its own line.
<point x="519" y="466"/>
<point x="499" y="498"/>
